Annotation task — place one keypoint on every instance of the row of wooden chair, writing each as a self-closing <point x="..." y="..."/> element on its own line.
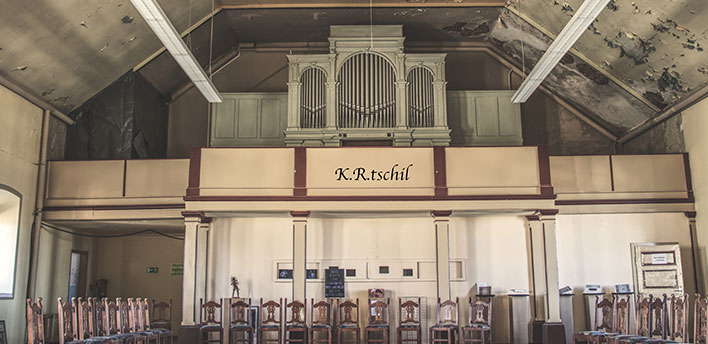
<point x="286" y="322"/>
<point x="103" y="321"/>
<point x="657" y="320"/>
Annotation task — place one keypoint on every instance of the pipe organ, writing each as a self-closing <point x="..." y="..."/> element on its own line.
<point x="367" y="88"/>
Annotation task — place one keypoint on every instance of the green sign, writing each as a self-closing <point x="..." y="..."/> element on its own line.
<point x="176" y="269"/>
<point x="152" y="269"/>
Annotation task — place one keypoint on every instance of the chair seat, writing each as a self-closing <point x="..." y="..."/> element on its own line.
<point x="409" y="325"/>
<point x="295" y="326"/>
<point x="210" y="327"/>
<point x="377" y="326"/>
<point x="264" y="326"/>
<point x="479" y="326"/>
<point x="160" y="324"/>
<point x="348" y="326"/>
<point x="321" y="326"/>
<point x="241" y="326"/>
<point x="443" y="326"/>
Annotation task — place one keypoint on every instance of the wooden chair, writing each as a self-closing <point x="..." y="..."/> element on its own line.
<point x="323" y="323"/>
<point x="269" y="322"/>
<point x="622" y="305"/>
<point x="240" y="322"/>
<point x="297" y="325"/>
<point x="605" y="317"/>
<point x="111" y="323"/>
<point x="408" y="321"/>
<point x="678" y="318"/>
<point x="161" y="335"/>
<point x="124" y="322"/>
<point x="447" y="325"/>
<point x="35" y="317"/>
<point x="480" y="321"/>
<point x="162" y="317"/>
<point x="700" y="320"/>
<point x="378" y="322"/>
<point x="67" y="325"/>
<point x="643" y="321"/>
<point x="208" y="322"/>
<point x="348" y="321"/>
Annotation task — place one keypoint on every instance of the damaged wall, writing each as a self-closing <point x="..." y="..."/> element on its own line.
<point x="126" y="120"/>
<point x="665" y="137"/>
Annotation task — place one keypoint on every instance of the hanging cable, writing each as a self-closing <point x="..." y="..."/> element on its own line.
<point x="47" y="225"/>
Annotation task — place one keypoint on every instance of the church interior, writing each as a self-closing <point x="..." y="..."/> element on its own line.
<point x="359" y="171"/>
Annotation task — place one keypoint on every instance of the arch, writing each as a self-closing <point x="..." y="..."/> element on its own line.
<point x="312" y="97"/>
<point x="366" y="91"/>
<point x="10" y="217"/>
<point x="421" y="104"/>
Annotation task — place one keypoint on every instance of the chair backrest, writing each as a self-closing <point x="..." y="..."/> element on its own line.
<point x="658" y="317"/>
<point x="480" y="312"/>
<point x="271" y="313"/>
<point x="621" y="322"/>
<point x="208" y="312"/>
<point x="133" y="315"/>
<point x="110" y="317"/>
<point x="448" y="312"/>
<point x="97" y="310"/>
<point x="348" y="312"/>
<point x="83" y="316"/>
<point x="678" y="318"/>
<point x="604" y="314"/>
<point x="35" y="316"/>
<point x="124" y="322"/>
<point x="700" y="320"/>
<point x="67" y="327"/>
<point x="297" y="311"/>
<point x="144" y="314"/>
<point x="378" y="311"/>
<point x="323" y="309"/>
<point x="161" y="314"/>
<point x="240" y="312"/>
<point x="409" y="312"/>
<point x="643" y="317"/>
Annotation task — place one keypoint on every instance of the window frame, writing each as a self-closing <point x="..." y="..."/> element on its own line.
<point x="11" y="190"/>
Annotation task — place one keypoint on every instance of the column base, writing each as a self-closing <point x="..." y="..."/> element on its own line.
<point x="553" y="333"/>
<point x="537" y="331"/>
<point x="188" y="334"/>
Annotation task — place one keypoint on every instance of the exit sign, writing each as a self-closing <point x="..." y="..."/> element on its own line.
<point x="152" y="269"/>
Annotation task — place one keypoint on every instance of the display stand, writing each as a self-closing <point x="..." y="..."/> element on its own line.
<point x="519" y="318"/>
<point x="566" y="312"/>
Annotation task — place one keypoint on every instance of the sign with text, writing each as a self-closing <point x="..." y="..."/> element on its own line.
<point x="370" y="171"/>
<point x="334" y="282"/>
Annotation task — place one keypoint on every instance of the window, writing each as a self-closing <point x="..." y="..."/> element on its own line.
<point x="351" y="272"/>
<point x="383" y="269"/>
<point x="9" y="228"/>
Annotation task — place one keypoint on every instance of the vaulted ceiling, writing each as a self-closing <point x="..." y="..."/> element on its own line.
<point x="638" y="58"/>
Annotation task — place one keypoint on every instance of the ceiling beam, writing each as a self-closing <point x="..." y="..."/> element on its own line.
<point x="272" y="4"/>
<point x="571" y="32"/>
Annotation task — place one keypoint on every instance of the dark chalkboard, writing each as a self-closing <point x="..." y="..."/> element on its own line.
<point x="334" y="282"/>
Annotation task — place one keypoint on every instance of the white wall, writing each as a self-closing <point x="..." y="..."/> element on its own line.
<point x="595" y="249"/>
<point x="19" y="154"/>
<point x="695" y="125"/>
<point x="492" y="247"/>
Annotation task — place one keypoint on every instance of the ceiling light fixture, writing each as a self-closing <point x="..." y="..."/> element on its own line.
<point x="580" y="21"/>
<point x="161" y="25"/>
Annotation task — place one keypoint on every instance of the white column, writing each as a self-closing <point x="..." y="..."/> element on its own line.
<point x="538" y="267"/>
<point x="191" y="225"/>
<point x="293" y="105"/>
<point x="440" y="103"/>
<point x="299" y="254"/>
<point x="441" y="220"/>
<point x="200" y="291"/>
<point x="548" y="221"/>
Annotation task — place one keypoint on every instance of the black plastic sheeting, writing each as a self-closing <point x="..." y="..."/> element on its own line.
<point x="127" y="120"/>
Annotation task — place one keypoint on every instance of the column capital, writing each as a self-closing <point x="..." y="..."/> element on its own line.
<point x="197" y="215"/>
<point x="547" y="214"/>
<point x="441" y="213"/>
<point x="690" y="214"/>
<point x="300" y="213"/>
<point x="532" y="217"/>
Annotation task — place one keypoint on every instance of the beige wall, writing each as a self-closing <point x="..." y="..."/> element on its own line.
<point x="594" y="249"/>
<point x="124" y="262"/>
<point x="19" y="154"/>
<point x="695" y="124"/>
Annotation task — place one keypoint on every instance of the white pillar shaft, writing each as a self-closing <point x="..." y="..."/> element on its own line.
<point x="201" y="265"/>
<point x="442" y="256"/>
<point x="553" y="296"/>
<point x="189" y="270"/>
<point x="538" y="265"/>
<point x="299" y="258"/>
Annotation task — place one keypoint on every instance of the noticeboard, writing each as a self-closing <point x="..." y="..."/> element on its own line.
<point x="334" y="282"/>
